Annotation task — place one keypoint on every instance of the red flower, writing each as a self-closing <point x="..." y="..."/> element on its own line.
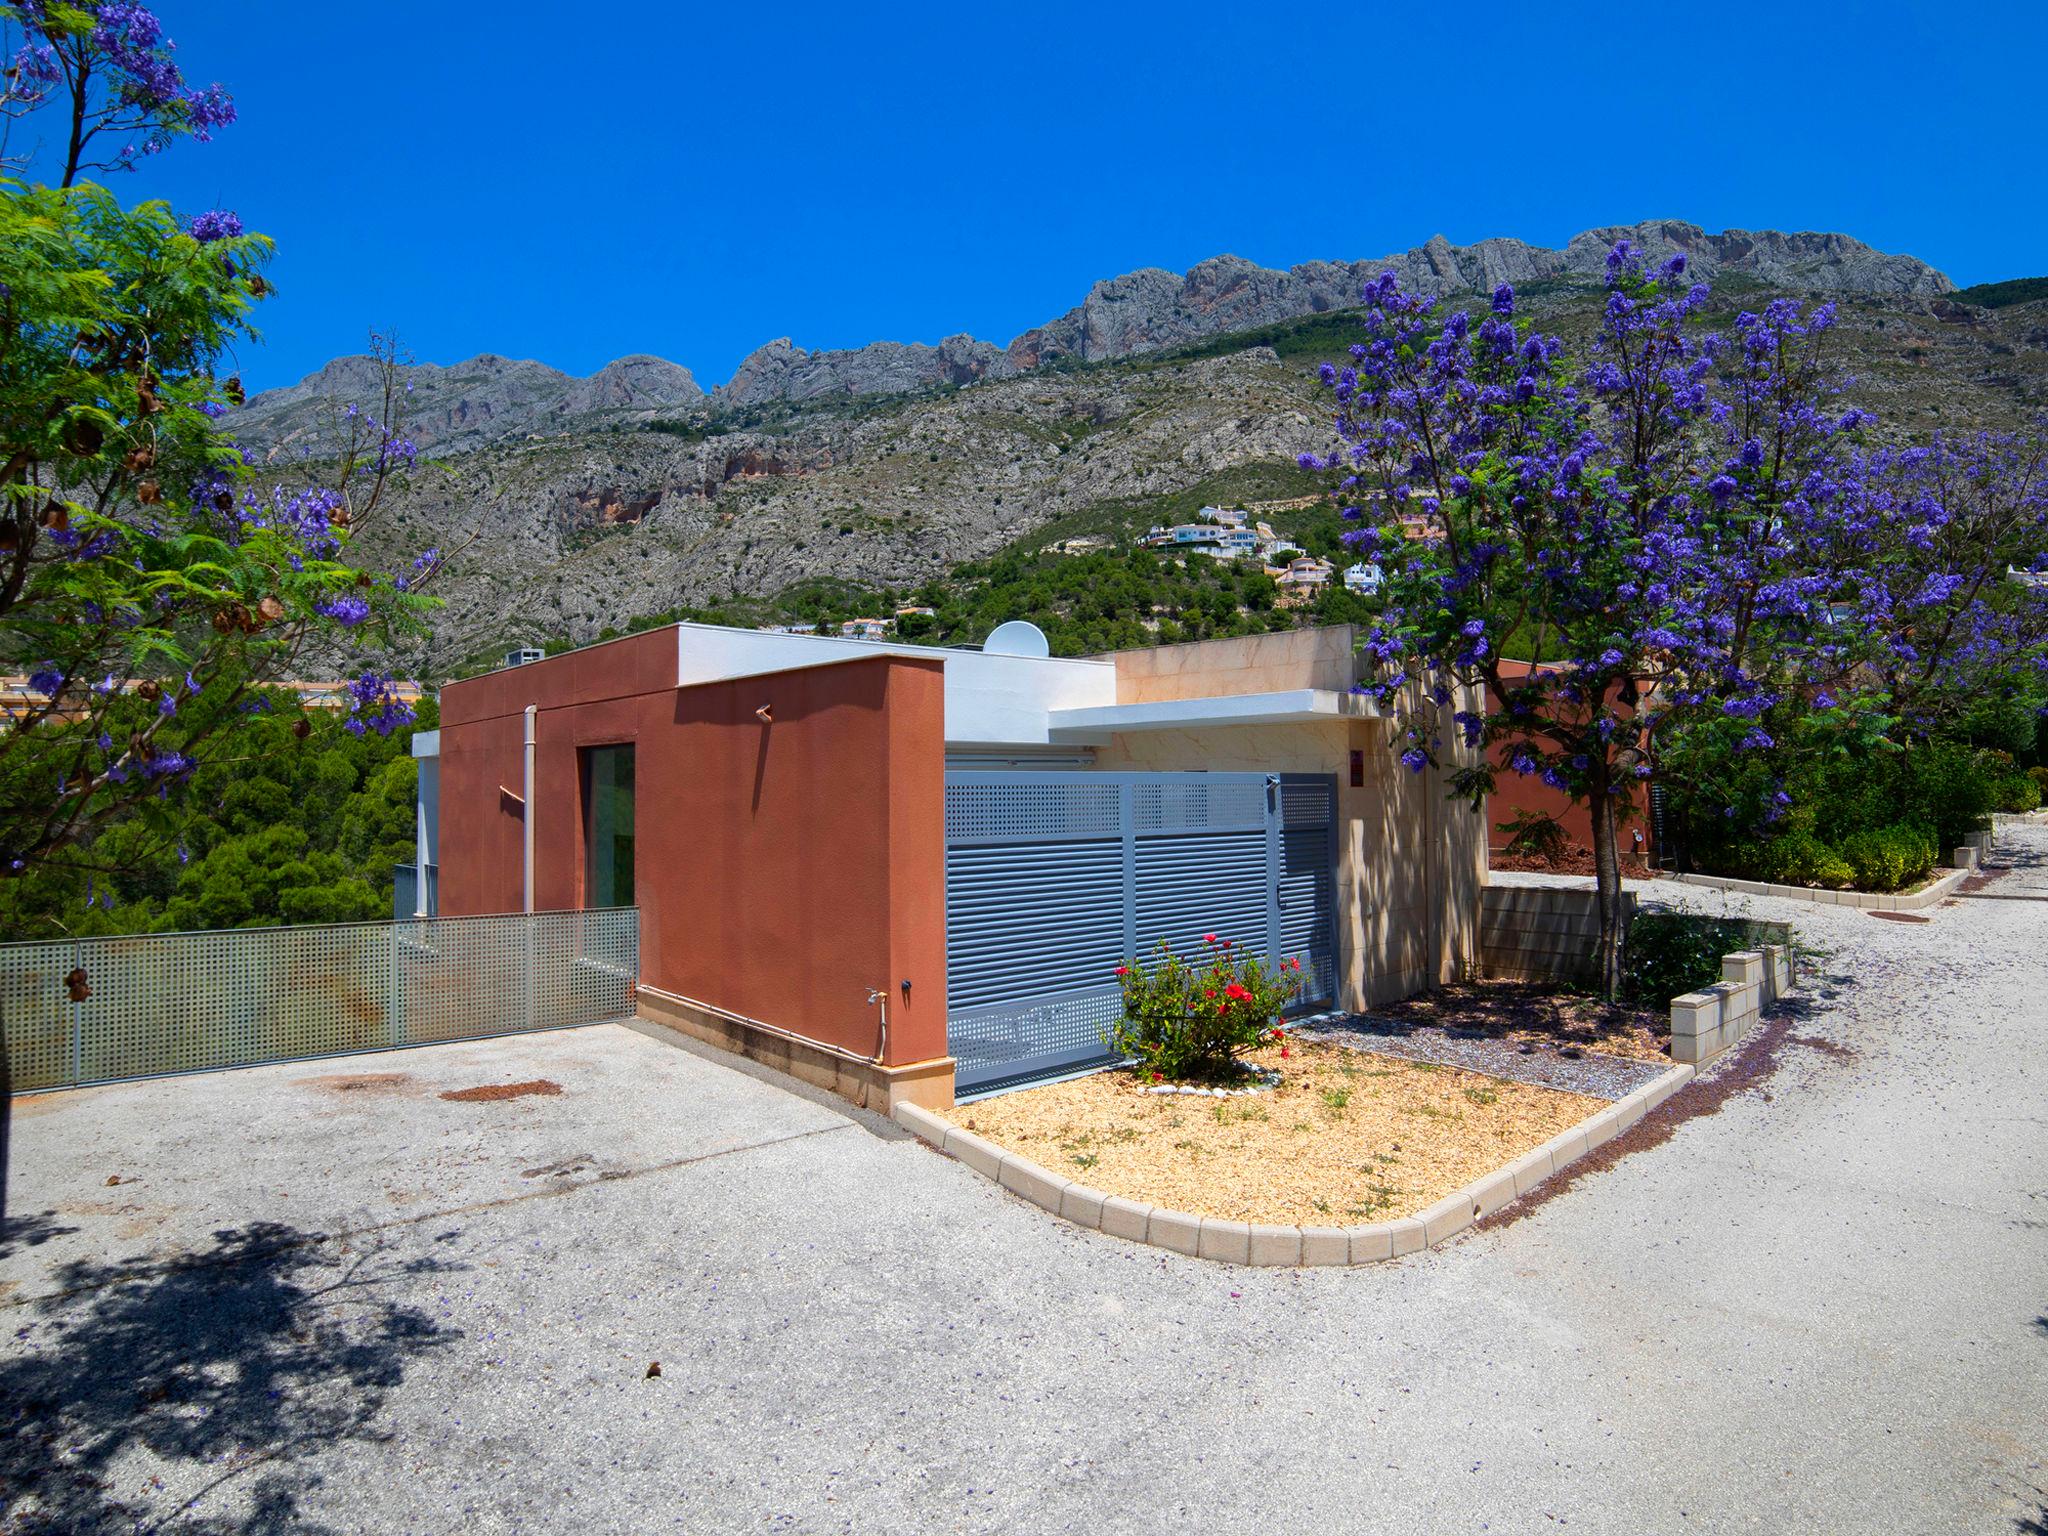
<point x="1285" y="1052"/>
<point x="1208" y="938"/>
<point x="1208" y="991"/>
<point x="1236" y="992"/>
<point x="1123" y="970"/>
<point x="1226" y="943"/>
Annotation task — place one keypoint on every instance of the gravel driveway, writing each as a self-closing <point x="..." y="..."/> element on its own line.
<point x="1818" y="1304"/>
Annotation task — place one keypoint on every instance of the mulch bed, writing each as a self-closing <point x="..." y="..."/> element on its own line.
<point x="1348" y="1136"/>
<point x="1577" y="861"/>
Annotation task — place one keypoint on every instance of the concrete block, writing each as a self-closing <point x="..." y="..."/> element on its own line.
<point x="1743" y="968"/>
<point x="984" y="1157"/>
<point x="1125" y="1218"/>
<point x="1603" y="1127"/>
<point x="1228" y="1241"/>
<point x="1325" y="1245"/>
<point x="1369" y="1245"/>
<point x="1407" y="1235"/>
<point x="923" y="1122"/>
<point x="1566" y="1148"/>
<point x="1448" y="1217"/>
<point x="1275" y="1245"/>
<point x="1530" y="1169"/>
<point x="1177" y="1230"/>
<point x="1026" y="1178"/>
<point x="1493" y="1191"/>
<point x="1082" y="1205"/>
<point x="1965" y="858"/>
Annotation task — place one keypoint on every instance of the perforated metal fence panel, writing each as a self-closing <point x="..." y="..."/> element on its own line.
<point x="1054" y="879"/>
<point x="189" y="1002"/>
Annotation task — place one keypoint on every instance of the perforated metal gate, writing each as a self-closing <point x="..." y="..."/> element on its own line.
<point x="1054" y="879"/>
<point x="188" y="1002"/>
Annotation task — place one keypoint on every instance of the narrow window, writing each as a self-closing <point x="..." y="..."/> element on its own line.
<point x="608" y="826"/>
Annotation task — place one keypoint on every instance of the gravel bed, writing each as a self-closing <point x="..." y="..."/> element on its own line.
<point x="1568" y="1068"/>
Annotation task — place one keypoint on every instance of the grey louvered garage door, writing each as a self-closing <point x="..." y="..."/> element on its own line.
<point x="1054" y="879"/>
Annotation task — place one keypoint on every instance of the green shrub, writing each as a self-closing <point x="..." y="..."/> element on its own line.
<point x="1672" y="953"/>
<point x="1799" y="858"/>
<point x="1890" y="857"/>
<point x="2039" y="775"/>
<point x="1191" y="1020"/>
<point x="2020" y="792"/>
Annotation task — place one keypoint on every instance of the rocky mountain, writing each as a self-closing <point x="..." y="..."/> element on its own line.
<point x="484" y="400"/>
<point x="491" y="398"/>
<point x="565" y="534"/>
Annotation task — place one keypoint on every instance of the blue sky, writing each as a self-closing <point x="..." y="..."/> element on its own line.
<point x="693" y="181"/>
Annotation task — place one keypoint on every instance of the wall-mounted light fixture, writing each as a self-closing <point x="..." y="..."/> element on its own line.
<point x="765" y="714"/>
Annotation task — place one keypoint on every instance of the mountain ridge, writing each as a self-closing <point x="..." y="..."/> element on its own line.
<point x="489" y="397"/>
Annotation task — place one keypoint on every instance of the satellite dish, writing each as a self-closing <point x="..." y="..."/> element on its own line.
<point x="1017" y="637"/>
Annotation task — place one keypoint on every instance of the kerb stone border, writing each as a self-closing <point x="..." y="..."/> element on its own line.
<point x="1239" y="1242"/>
<point x="1870" y="901"/>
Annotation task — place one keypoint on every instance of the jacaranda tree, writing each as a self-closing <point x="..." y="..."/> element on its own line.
<point x="1634" y="524"/>
<point x="148" y="583"/>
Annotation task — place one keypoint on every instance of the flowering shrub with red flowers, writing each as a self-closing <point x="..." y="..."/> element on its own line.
<point x="1191" y="1018"/>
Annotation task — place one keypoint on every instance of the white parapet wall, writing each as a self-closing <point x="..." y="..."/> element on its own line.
<point x="1709" y="1021"/>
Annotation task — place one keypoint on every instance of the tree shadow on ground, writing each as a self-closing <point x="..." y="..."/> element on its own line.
<point x="32" y="1230"/>
<point x="140" y="1395"/>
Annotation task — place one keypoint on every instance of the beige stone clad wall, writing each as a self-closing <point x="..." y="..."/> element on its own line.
<point x="1410" y="863"/>
<point x="1203" y="669"/>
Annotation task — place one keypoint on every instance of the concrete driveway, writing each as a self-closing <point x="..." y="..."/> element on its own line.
<point x="1812" y="1296"/>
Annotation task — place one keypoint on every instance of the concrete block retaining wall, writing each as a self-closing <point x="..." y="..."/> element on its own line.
<point x="1540" y="932"/>
<point x="1708" y="1022"/>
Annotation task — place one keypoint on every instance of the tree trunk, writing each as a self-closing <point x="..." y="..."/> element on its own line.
<point x="1607" y="885"/>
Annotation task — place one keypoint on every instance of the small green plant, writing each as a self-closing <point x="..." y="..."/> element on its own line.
<point x="1086" y="1159"/>
<point x="1334" y="1099"/>
<point x="1192" y="1020"/>
<point x="1483" y="1096"/>
<point x="1535" y="835"/>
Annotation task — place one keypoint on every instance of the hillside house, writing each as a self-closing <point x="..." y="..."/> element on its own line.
<point x="1017" y="826"/>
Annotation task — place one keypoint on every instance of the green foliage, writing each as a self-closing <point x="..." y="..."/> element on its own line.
<point x="1190" y="1020"/>
<point x="1673" y="953"/>
<point x="133" y="550"/>
<point x="2015" y="290"/>
<point x="1535" y="835"/>
<point x="2020" y="790"/>
<point x="1797" y="858"/>
<point x="1891" y="857"/>
<point x="291" y="831"/>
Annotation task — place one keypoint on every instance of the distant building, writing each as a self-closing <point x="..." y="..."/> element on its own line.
<point x="864" y="629"/>
<point x="1304" y="580"/>
<point x="917" y="613"/>
<point x="1363" y="579"/>
<point x="525" y="655"/>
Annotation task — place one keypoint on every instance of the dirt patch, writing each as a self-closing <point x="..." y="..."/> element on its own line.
<point x="363" y="1082"/>
<point x="492" y="1093"/>
<point x="1900" y="917"/>
<point x="1533" y="1012"/>
<point x="1348" y="1136"/>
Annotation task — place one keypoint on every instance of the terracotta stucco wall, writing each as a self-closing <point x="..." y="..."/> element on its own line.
<point x="782" y="868"/>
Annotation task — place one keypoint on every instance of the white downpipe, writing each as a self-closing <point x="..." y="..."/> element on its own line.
<point x="419" y="899"/>
<point x="532" y="711"/>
